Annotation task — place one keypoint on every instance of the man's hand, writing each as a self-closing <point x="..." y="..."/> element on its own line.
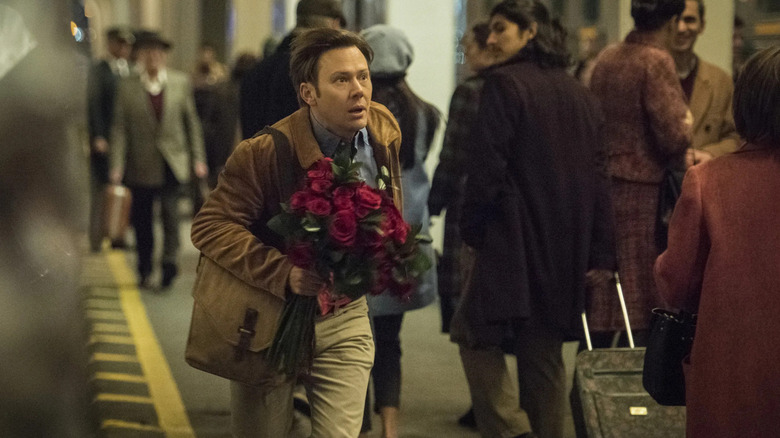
<point x="304" y="282"/>
<point x="696" y="156"/>
<point x="201" y="170"/>
<point x="99" y="145"/>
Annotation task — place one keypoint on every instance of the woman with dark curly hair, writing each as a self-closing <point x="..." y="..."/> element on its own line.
<point x="723" y="262"/>
<point x="536" y="215"/>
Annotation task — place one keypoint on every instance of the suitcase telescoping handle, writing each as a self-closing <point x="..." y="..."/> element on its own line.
<point x="625" y="317"/>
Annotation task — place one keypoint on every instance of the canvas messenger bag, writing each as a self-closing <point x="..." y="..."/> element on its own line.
<point x="233" y="323"/>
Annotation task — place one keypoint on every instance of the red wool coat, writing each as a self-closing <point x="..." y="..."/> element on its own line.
<point x="645" y="128"/>
<point x="724" y="259"/>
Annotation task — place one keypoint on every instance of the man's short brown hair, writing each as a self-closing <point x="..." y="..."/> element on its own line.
<point x="756" y="97"/>
<point x="308" y="47"/>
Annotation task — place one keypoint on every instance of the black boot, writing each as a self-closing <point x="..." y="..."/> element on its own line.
<point x="169" y="271"/>
<point x="468" y="420"/>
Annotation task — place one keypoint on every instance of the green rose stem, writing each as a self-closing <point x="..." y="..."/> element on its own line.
<point x="293" y="346"/>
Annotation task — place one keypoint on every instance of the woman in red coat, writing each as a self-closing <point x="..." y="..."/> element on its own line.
<point x="723" y="260"/>
<point x="647" y="127"/>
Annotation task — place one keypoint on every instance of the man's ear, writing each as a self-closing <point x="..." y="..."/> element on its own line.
<point x="308" y="93"/>
<point x="532" y="29"/>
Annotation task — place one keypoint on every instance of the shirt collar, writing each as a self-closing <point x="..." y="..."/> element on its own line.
<point x="329" y="141"/>
<point x="154" y="86"/>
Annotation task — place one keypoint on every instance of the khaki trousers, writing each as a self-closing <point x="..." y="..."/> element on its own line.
<point x="336" y="388"/>
<point x="541" y="379"/>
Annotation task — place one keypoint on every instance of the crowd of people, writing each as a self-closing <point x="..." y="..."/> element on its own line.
<point x="550" y="184"/>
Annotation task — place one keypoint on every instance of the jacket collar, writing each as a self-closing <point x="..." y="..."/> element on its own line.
<point x="308" y="149"/>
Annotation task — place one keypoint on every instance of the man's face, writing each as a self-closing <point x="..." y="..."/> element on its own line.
<point x="341" y="97"/>
<point x="119" y="49"/>
<point x="506" y="38"/>
<point x="153" y="58"/>
<point x="688" y="28"/>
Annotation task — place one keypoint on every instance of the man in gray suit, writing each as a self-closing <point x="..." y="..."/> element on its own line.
<point x="156" y="144"/>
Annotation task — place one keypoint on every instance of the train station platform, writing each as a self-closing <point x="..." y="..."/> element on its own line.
<point x="141" y="386"/>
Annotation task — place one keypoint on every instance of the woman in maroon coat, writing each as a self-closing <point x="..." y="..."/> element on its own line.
<point x="723" y="260"/>
<point x="647" y="127"/>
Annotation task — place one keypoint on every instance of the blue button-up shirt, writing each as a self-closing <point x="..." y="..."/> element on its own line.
<point x="329" y="142"/>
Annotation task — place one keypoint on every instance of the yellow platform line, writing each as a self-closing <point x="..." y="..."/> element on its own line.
<point x="110" y="339"/>
<point x="113" y="357"/>
<point x="122" y="398"/>
<point x="102" y="327"/>
<point x="162" y="388"/>
<point x="118" y="377"/>
<point x="119" y="424"/>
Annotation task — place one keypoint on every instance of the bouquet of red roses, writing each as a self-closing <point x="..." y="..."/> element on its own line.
<point x="354" y="237"/>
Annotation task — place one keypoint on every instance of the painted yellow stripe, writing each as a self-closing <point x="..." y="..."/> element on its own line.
<point x="111" y="357"/>
<point x="122" y="398"/>
<point x="105" y="314"/>
<point x="119" y="377"/>
<point x="164" y="393"/>
<point x="101" y="304"/>
<point x="102" y="327"/>
<point x="110" y="339"/>
<point x="119" y="424"/>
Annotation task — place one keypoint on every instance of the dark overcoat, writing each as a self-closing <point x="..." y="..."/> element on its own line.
<point x="536" y="206"/>
<point x="723" y="261"/>
<point x="267" y="93"/>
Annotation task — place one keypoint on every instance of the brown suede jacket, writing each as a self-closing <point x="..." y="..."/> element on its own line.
<point x="248" y="194"/>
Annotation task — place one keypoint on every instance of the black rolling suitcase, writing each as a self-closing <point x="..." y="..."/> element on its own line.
<point x="608" y="399"/>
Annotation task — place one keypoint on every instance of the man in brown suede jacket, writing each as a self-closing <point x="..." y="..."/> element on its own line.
<point x="330" y="71"/>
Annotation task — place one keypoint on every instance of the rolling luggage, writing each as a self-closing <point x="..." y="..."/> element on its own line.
<point x="608" y="399"/>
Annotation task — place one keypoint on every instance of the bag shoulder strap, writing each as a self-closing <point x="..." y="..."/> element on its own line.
<point x="285" y="163"/>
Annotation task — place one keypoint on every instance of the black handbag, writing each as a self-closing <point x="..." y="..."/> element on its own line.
<point x="668" y="193"/>
<point x="669" y="343"/>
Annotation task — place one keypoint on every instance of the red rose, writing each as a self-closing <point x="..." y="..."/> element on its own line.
<point x="301" y="255"/>
<point x="320" y="185"/>
<point x="368" y="200"/>
<point x="393" y="224"/>
<point x="299" y="199"/>
<point x="323" y="164"/>
<point x="318" y="206"/>
<point x="344" y="228"/>
<point x="342" y="198"/>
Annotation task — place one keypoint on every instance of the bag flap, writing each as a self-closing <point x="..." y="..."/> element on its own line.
<point x="225" y="299"/>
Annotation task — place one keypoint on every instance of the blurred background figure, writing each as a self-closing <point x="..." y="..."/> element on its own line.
<point x="722" y="263"/>
<point x="207" y="70"/>
<point x="156" y="146"/>
<point x="647" y="129"/>
<point x="101" y="89"/>
<point x="708" y="90"/>
<point x="267" y="95"/>
<point x="535" y="169"/>
<point x="43" y="214"/>
<point x="419" y="120"/>
<point x="217" y="105"/>
<point x="591" y="43"/>
<point x="450" y="176"/>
